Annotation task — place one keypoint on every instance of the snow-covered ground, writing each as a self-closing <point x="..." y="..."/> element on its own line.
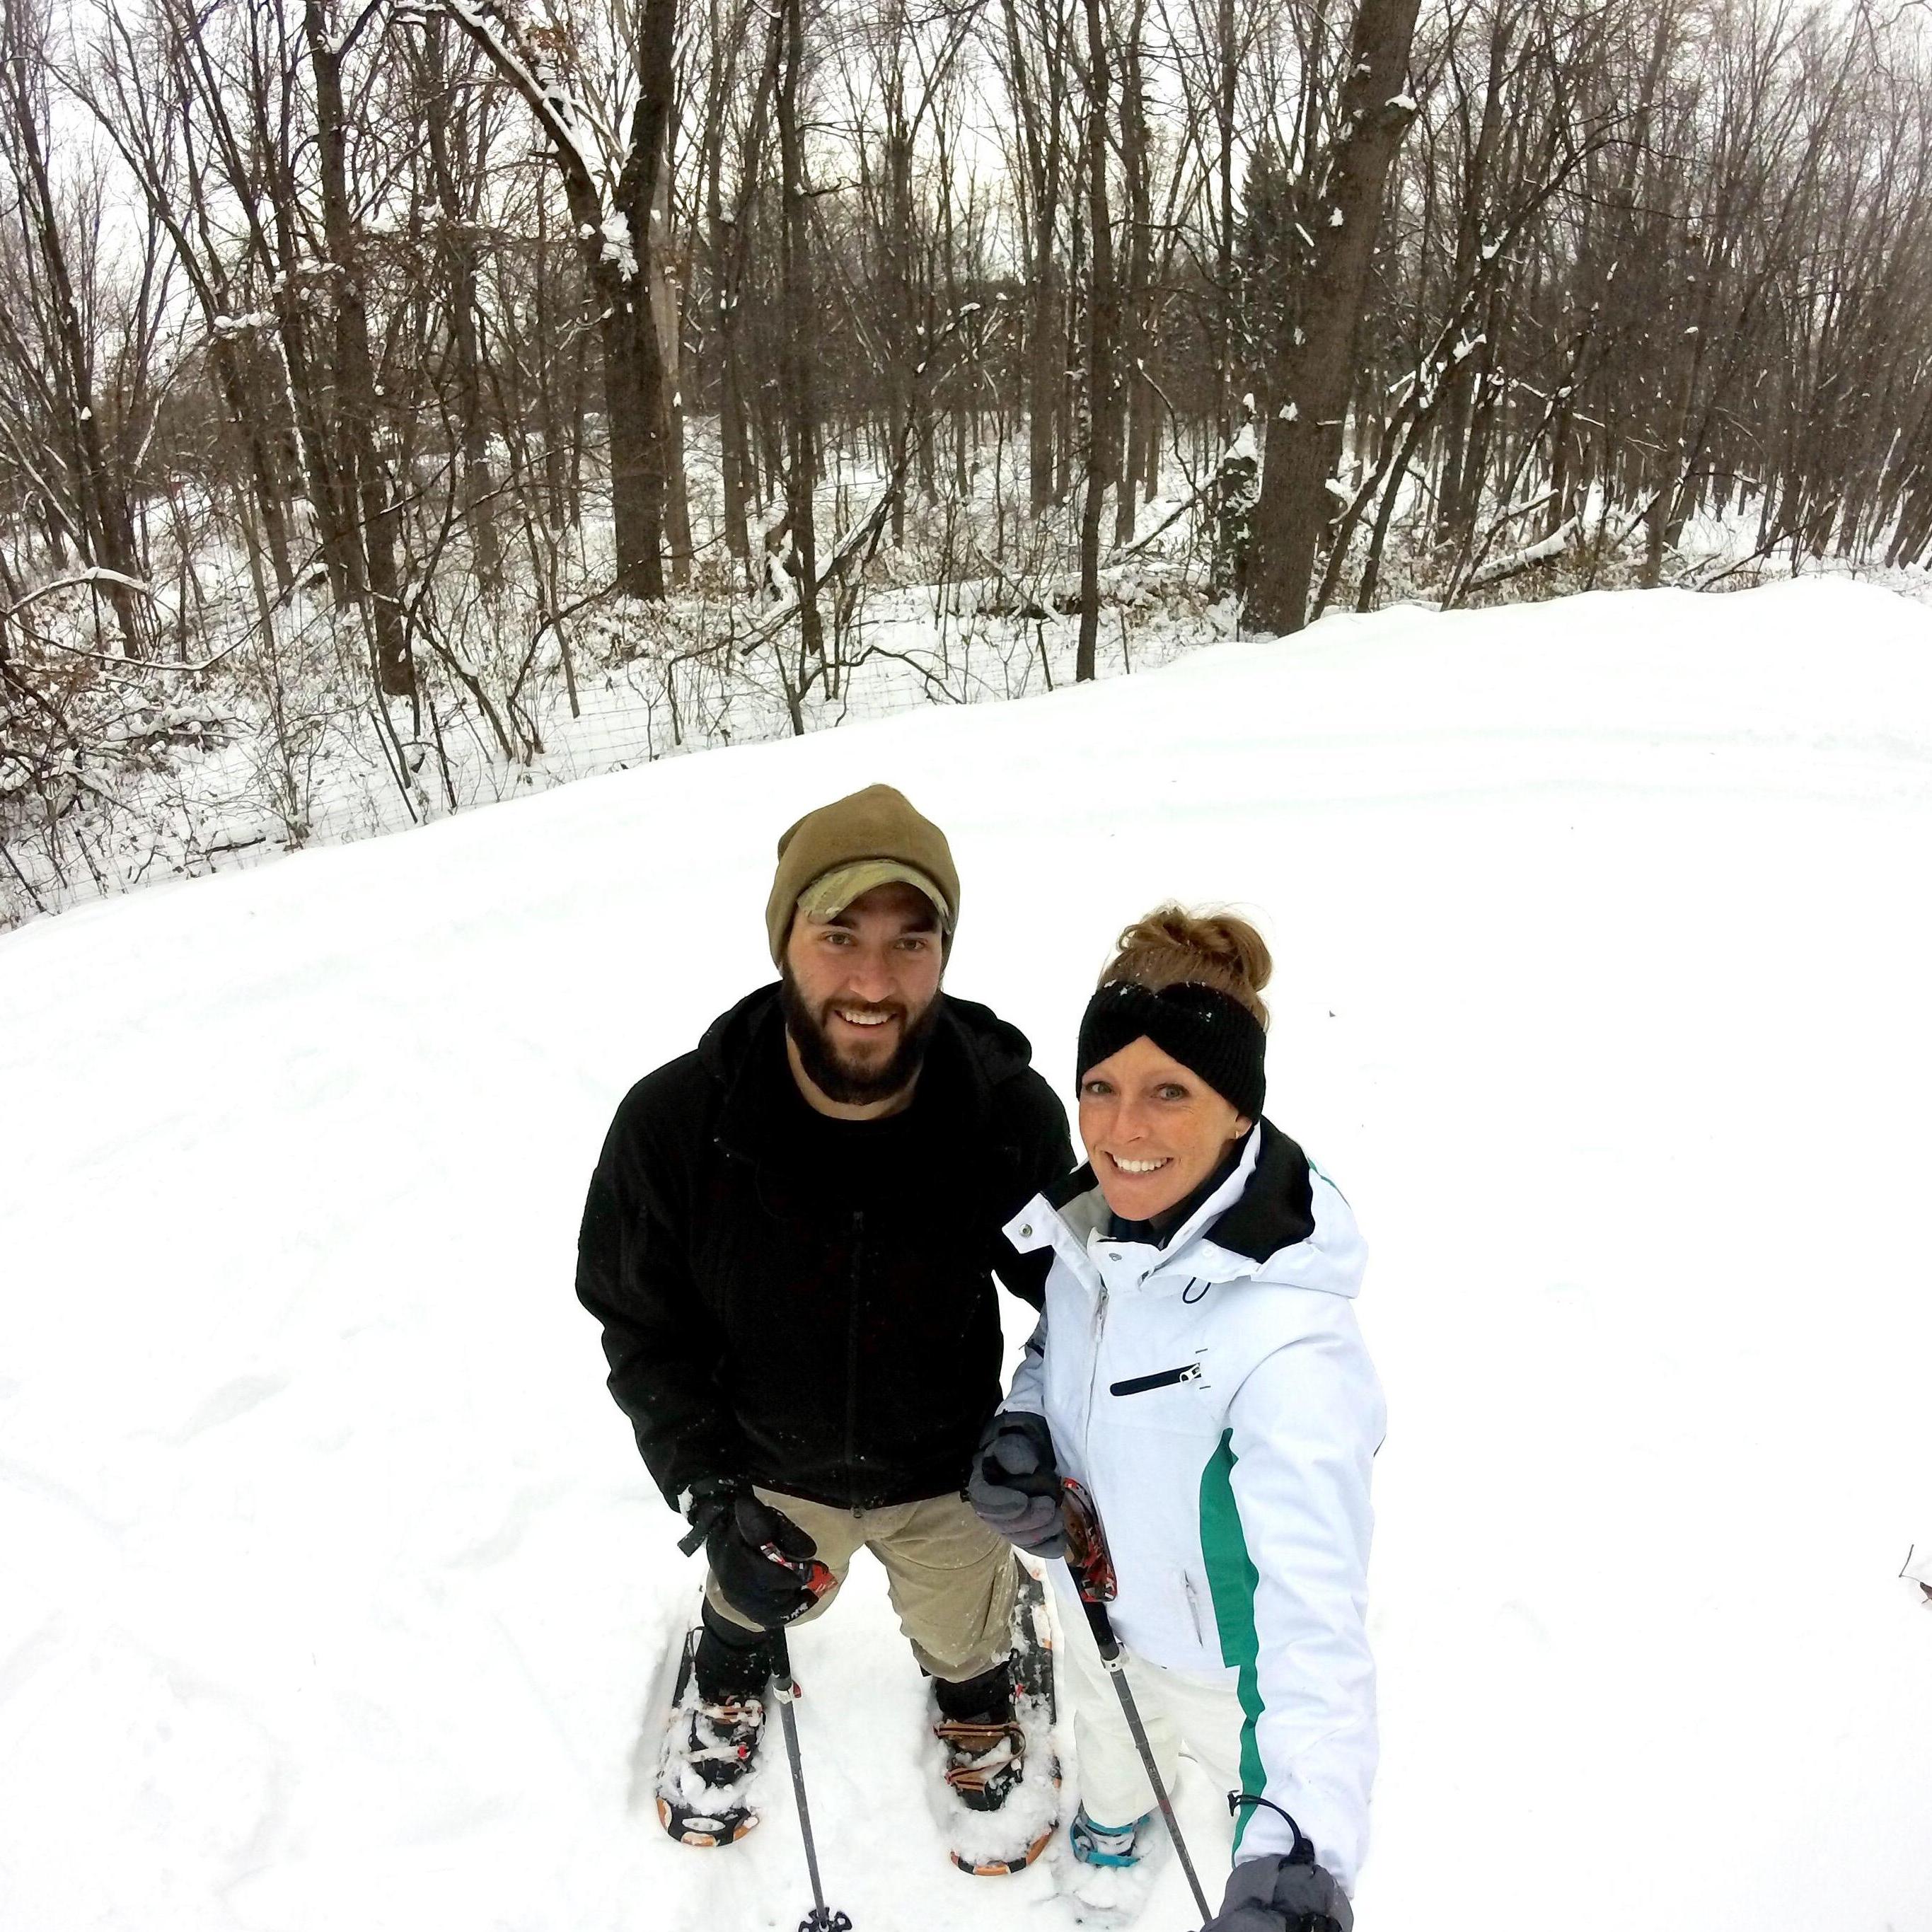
<point x="330" y="1588"/>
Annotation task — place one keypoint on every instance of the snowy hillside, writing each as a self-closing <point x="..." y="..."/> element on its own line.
<point x="331" y="1587"/>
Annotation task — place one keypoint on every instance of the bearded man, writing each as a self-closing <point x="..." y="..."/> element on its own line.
<point x="789" y="1241"/>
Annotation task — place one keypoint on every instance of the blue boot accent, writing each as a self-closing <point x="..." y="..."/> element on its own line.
<point x="1113" y="1845"/>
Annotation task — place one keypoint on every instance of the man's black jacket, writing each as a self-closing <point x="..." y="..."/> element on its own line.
<point x="808" y="1303"/>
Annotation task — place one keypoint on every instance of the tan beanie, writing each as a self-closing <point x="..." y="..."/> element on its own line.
<point x="847" y="847"/>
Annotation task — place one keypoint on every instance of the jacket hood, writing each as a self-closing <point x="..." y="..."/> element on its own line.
<point x="1276" y="1218"/>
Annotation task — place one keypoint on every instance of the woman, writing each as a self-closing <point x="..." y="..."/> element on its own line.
<point x="1198" y="1371"/>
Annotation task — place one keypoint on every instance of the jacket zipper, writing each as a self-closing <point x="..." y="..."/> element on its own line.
<point x="1140" y="1384"/>
<point x="1093" y="1378"/>
<point x="852" y="1351"/>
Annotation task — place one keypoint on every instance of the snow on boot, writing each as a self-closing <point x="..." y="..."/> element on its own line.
<point x="708" y="1771"/>
<point x="983" y="1761"/>
<point x="1107" y="1871"/>
<point x="997" y="1790"/>
<point x="1110" y="1845"/>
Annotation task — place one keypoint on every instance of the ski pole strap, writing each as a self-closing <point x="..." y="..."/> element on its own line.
<point x="1086" y="1542"/>
<point x="816" y="1576"/>
<point x="1303" y="1853"/>
<point x="704" y="1518"/>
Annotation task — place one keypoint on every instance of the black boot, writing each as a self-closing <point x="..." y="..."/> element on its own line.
<point x="718" y="1724"/>
<point x="986" y="1749"/>
<point x="732" y="1663"/>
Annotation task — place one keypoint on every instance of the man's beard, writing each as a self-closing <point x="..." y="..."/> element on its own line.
<point x="837" y="1079"/>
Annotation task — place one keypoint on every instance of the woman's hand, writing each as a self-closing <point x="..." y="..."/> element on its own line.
<point x="1276" y="1894"/>
<point x="1014" y="1487"/>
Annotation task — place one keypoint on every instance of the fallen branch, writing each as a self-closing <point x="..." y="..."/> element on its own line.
<point x="138" y="664"/>
<point x="1140" y="544"/>
<point x="94" y="577"/>
<point x="1517" y="561"/>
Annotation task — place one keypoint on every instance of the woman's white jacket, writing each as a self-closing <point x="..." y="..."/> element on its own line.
<point x="1214" y="1396"/>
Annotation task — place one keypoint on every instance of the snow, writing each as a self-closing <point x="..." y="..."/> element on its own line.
<point x="334" y="1591"/>
<point x="617" y="247"/>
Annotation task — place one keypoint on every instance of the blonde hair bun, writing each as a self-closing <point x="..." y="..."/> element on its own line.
<point x="1172" y="946"/>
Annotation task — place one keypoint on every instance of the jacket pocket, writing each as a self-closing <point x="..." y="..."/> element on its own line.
<point x="1189" y="1372"/>
<point x="1190" y="1597"/>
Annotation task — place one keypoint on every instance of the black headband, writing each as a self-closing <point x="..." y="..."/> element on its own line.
<point x="1208" y="1031"/>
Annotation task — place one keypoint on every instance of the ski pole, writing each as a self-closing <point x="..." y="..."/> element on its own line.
<point x="1102" y="1627"/>
<point x="785" y="1688"/>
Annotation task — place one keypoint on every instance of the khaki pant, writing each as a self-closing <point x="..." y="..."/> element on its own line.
<point x="951" y="1579"/>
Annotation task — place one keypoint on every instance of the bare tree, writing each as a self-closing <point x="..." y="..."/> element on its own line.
<point x="1315" y="372"/>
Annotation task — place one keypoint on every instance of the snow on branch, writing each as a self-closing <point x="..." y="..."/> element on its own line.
<point x="561" y="115"/>
<point x="96" y="577"/>
<point x="1546" y="551"/>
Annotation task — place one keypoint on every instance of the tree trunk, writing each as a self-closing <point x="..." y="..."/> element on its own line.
<point x="1139" y="403"/>
<point x="633" y="381"/>
<point x="1101" y="301"/>
<point x="98" y="498"/>
<point x="367" y="481"/>
<point x="1314" y="369"/>
<point x="800" y="325"/>
<point x="634" y="375"/>
<point x="476" y="487"/>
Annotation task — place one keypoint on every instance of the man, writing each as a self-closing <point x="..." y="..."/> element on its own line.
<point x="789" y="1240"/>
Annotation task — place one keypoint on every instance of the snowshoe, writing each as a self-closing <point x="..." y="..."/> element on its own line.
<point x="708" y="1769"/>
<point x="998" y="1786"/>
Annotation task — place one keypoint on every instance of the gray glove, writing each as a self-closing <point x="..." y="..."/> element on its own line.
<point x="1276" y="1895"/>
<point x="1014" y="1487"/>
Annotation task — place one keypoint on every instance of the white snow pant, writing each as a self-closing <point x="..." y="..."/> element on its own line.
<point x="1179" y="1711"/>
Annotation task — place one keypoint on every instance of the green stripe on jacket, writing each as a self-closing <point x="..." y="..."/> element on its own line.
<point x="1232" y="1579"/>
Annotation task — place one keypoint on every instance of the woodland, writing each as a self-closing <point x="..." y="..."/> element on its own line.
<point x="406" y="402"/>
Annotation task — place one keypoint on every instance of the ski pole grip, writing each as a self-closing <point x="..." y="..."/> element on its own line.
<point x="1102" y="1625"/>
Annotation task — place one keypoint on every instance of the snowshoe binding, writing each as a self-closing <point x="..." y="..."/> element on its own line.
<point x="1107" y="1870"/>
<point x="1112" y="1847"/>
<point x="709" y="1767"/>
<point x="999" y="1785"/>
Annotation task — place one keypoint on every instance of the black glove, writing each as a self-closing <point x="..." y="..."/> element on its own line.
<point x="1277" y="1894"/>
<point x="1014" y="1487"/>
<point x="767" y="1590"/>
